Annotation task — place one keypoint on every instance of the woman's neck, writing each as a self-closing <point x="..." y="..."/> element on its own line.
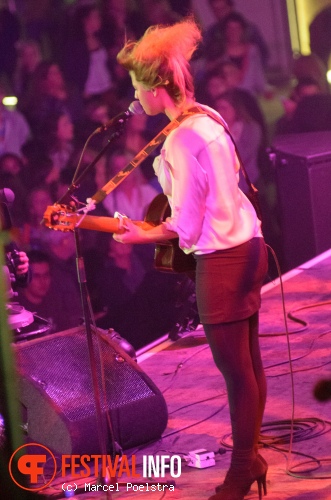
<point x="173" y="110"/>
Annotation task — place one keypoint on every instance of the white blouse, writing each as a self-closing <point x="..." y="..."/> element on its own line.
<point x="199" y="172"/>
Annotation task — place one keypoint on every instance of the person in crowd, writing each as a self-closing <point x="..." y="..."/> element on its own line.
<point x="248" y="134"/>
<point x="214" y="220"/>
<point x="50" y="294"/>
<point x="39" y="20"/>
<point x="159" y="12"/>
<point x="16" y="261"/>
<point x="29" y="58"/>
<point x="14" y="128"/>
<point x="48" y="154"/>
<point x="120" y="20"/>
<point x="113" y="277"/>
<point x="307" y="109"/>
<point x="15" y="270"/>
<point x="243" y="54"/>
<point x="85" y="60"/>
<point x="10" y="32"/>
<point x="33" y="235"/>
<point x="215" y="36"/>
<point x="95" y="114"/>
<point x="320" y="34"/>
<point x="312" y="67"/>
<point x="12" y="177"/>
<point x="37" y="164"/>
<point x="211" y="86"/>
<point x="58" y="141"/>
<point x="129" y="295"/>
<point x="48" y="93"/>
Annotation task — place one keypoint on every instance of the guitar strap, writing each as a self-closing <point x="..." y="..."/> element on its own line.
<point x="142" y="155"/>
<point x="101" y="194"/>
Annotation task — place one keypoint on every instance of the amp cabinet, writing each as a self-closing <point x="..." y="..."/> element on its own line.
<point x="303" y="177"/>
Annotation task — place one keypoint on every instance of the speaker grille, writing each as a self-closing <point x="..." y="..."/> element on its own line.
<point x="57" y="395"/>
<point x="60" y="367"/>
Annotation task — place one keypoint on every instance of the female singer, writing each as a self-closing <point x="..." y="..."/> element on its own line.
<point x="198" y="171"/>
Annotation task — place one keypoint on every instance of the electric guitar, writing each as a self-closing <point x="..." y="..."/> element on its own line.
<point x="168" y="256"/>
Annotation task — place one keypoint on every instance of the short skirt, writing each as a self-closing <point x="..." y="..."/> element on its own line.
<point x="228" y="282"/>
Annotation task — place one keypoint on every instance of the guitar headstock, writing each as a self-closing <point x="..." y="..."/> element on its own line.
<point x="60" y="218"/>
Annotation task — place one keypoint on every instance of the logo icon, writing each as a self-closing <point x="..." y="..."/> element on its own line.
<point x="31" y="466"/>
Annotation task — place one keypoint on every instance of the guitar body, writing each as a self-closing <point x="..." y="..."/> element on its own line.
<point x="168" y="256"/>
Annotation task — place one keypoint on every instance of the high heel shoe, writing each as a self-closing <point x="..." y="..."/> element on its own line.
<point x="238" y="481"/>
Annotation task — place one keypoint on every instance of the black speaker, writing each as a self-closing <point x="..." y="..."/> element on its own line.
<point x="56" y="391"/>
<point x="303" y="173"/>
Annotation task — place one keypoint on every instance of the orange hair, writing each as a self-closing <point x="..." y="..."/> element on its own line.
<point x="161" y="57"/>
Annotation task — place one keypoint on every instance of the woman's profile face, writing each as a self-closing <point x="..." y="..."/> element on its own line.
<point x="146" y="97"/>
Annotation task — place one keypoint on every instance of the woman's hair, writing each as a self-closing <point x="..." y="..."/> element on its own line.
<point x="161" y="57"/>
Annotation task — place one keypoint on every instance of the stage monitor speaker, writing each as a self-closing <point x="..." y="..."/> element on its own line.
<point x="303" y="173"/>
<point x="56" y="391"/>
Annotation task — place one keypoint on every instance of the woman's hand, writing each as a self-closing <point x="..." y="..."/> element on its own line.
<point x="131" y="233"/>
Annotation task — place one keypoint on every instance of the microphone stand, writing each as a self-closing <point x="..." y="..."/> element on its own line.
<point x="86" y="304"/>
<point x="67" y="197"/>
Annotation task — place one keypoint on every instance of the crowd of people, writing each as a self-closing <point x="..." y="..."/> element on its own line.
<point x="61" y="64"/>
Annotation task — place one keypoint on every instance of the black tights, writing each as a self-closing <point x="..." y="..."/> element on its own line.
<point x="236" y="351"/>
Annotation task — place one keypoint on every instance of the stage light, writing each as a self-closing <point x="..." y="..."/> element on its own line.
<point x="10" y="101"/>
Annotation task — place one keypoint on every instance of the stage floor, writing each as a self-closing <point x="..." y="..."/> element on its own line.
<point x="198" y="413"/>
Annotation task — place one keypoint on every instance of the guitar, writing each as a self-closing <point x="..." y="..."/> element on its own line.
<point x="168" y="257"/>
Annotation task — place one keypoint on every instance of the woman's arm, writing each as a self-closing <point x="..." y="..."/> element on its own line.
<point x="135" y="234"/>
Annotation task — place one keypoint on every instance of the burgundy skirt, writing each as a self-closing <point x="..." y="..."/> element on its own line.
<point x="228" y="282"/>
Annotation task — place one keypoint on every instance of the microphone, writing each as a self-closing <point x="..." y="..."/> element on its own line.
<point x="6" y="195"/>
<point x="135" y="108"/>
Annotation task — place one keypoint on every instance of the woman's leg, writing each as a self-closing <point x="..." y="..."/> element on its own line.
<point x="234" y="346"/>
<point x="259" y="372"/>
